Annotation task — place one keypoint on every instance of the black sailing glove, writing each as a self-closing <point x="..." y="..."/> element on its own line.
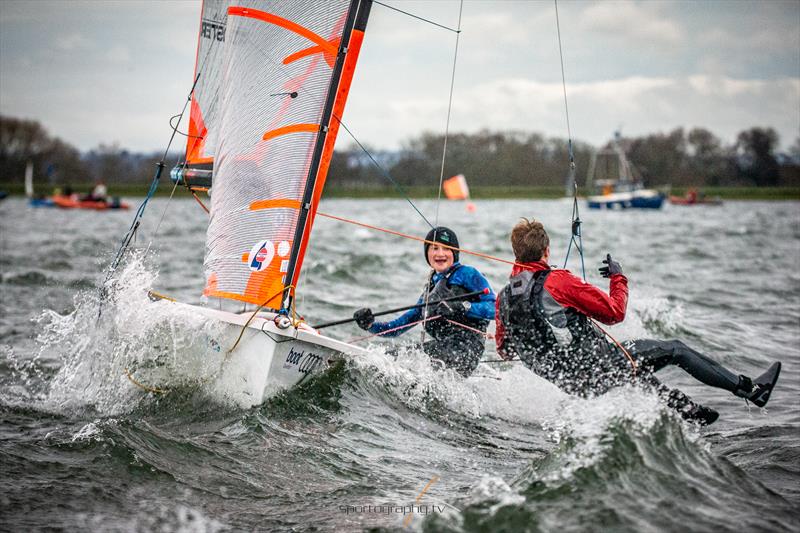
<point x="612" y="267"/>
<point x="364" y="318"/>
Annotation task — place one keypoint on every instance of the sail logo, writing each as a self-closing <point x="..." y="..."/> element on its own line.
<point x="306" y="361"/>
<point x="211" y="29"/>
<point x="261" y="255"/>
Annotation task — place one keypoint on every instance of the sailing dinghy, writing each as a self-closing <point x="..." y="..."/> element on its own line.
<point x="271" y="81"/>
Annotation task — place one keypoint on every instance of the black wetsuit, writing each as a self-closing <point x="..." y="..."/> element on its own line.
<point x="562" y="345"/>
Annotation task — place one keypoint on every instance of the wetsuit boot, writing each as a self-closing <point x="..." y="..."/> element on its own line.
<point x="677" y="400"/>
<point x="759" y="390"/>
<point x="690" y="410"/>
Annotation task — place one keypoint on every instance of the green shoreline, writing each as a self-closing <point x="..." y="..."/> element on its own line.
<point x="477" y="193"/>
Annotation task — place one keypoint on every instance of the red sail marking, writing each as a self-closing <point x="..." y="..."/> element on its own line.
<point x="348" y="69"/>
<point x="328" y="48"/>
<point x="195" y="141"/>
<point x="197" y="136"/>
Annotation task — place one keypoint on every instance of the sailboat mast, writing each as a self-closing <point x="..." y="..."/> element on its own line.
<point x="356" y="20"/>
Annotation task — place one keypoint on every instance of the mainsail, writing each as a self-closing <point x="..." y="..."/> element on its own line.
<point x="285" y="76"/>
<point x="202" y="139"/>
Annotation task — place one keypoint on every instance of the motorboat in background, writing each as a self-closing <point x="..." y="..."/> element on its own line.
<point x="615" y="182"/>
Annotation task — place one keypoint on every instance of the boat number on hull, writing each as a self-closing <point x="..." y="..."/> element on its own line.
<point x="306" y="361"/>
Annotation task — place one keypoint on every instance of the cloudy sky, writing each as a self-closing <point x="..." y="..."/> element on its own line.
<point x="115" y="71"/>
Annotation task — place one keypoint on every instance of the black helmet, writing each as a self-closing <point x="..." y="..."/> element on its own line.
<point x="444" y="236"/>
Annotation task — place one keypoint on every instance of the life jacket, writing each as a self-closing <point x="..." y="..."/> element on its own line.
<point x="558" y="343"/>
<point x="441" y="329"/>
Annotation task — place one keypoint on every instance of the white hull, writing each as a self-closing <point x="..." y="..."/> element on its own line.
<point x="266" y="360"/>
<point x="637" y="199"/>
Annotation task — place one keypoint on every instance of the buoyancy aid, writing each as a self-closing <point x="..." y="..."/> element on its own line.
<point x="558" y="343"/>
<point x="440" y="328"/>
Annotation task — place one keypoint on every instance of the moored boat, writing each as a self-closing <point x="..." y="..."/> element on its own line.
<point x="616" y="182"/>
<point x="74" y="201"/>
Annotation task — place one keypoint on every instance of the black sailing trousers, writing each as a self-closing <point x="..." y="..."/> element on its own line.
<point x="652" y="355"/>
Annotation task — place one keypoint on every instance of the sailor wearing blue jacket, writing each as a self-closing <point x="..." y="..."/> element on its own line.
<point x="457" y="327"/>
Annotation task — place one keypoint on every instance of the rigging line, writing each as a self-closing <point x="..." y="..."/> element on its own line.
<point x="449" y="109"/>
<point x="383" y="171"/>
<point x="444" y="147"/>
<point x="576" y="220"/>
<point x="137" y="219"/>
<point x="564" y="83"/>
<point x="199" y="201"/>
<point x="175" y="128"/>
<point x="626" y="353"/>
<point x="419" y="239"/>
<point x="576" y="232"/>
<point x="416" y="16"/>
<point x="160" y="220"/>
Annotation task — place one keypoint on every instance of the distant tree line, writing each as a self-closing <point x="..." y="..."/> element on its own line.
<point x="486" y="158"/>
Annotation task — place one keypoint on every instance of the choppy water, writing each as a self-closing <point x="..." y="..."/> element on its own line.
<point x="80" y="447"/>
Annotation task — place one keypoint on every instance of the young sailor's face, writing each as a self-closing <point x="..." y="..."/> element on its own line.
<point x="440" y="258"/>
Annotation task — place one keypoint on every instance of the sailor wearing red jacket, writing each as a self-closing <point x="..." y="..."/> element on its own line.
<point x="545" y="317"/>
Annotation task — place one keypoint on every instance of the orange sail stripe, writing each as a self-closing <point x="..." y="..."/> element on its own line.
<point x="294" y="128"/>
<point x="283" y="23"/>
<point x="275" y="203"/>
<point x="348" y="69"/>
<point x="329" y="56"/>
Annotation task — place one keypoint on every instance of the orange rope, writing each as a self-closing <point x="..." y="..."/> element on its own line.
<point x="410" y="325"/>
<point x="244" y="328"/>
<point x="624" y="351"/>
<point x="459" y="324"/>
<point x="407" y="236"/>
<point x="199" y="201"/>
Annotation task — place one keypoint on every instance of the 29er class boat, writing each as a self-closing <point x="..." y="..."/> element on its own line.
<point x="271" y="81"/>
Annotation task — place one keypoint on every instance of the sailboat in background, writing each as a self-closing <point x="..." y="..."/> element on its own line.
<point x="271" y="81"/>
<point x="32" y="200"/>
<point x="616" y="186"/>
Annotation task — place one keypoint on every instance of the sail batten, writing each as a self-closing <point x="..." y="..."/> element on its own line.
<point x="272" y="139"/>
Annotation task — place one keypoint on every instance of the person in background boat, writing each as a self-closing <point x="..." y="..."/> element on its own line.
<point x="99" y="193"/>
<point x="545" y="317"/>
<point x="458" y="334"/>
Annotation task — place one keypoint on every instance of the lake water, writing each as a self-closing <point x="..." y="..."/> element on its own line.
<point x="82" y="448"/>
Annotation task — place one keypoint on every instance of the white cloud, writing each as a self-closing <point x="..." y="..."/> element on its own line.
<point x="723" y="87"/>
<point x="118" y="54"/>
<point x="643" y="105"/>
<point x="632" y="22"/>
<point x="72" y="42"/>
<point x="764" y="40"/>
